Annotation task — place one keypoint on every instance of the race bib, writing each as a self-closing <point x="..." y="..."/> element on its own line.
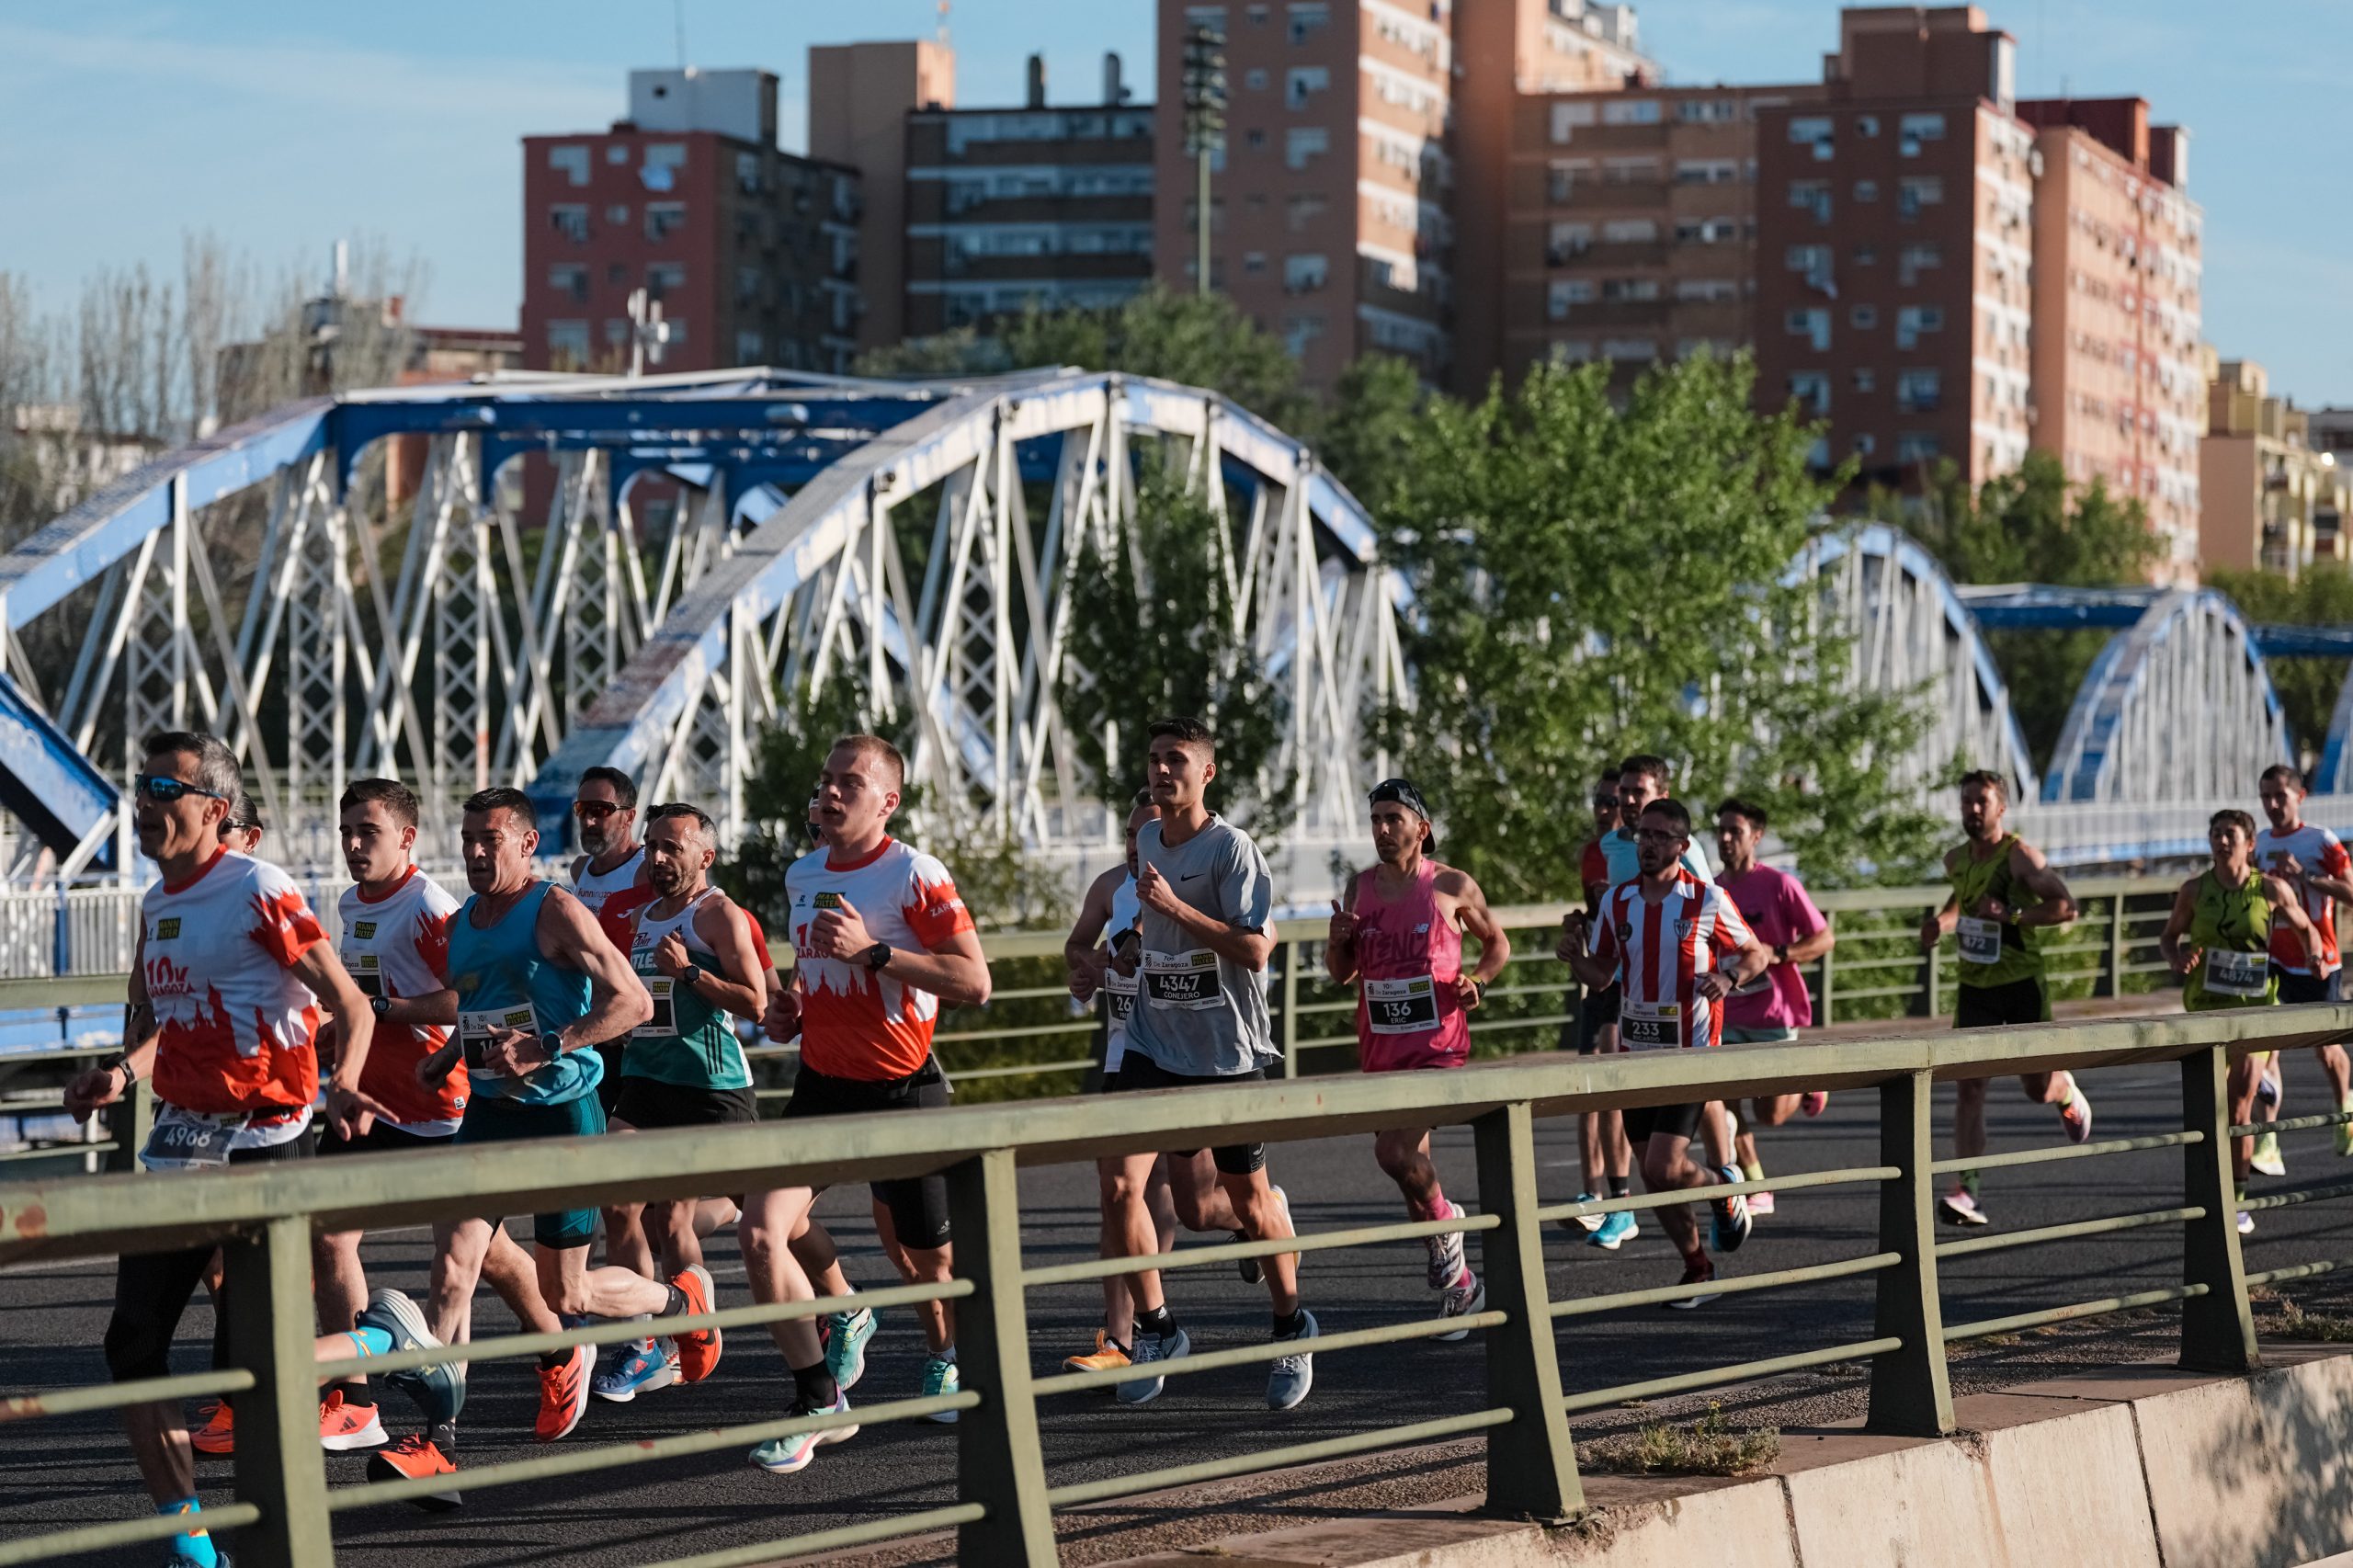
<point x="1980" y="940"/>
<point x="1182" y="980"/>
<point x="474" y="1030"/>
<point x="190" y="1140"/>
<point x="367" y="973"/>
<point x="2238" y="974"/>
<point x="664" y="1020"/>
<point x="1650" y="1026"/>
<point x="1118" y="996"/>
<point x="1401" y="1007"/>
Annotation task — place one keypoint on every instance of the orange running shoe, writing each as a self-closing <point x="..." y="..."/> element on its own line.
<point x="1108" y="1352"/>
<point x="219" y="1434"/>
<point x="344" y="1426"/>
<point x="699" y="1351"/>
<point x="407" y="1459"/>
<point x="564" y="1394"/>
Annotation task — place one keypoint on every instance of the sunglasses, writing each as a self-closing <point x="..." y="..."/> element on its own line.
<point x="593" y="811"/>
<point x="163" y="789"/>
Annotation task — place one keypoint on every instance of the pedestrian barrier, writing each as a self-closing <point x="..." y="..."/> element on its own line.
<point x="264" y="1217"/>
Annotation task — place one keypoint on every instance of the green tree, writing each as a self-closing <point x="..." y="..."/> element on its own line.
<point x="2307" y="687"/>
<point x="1591" y="581"/>
<point x="1375" y="405"/>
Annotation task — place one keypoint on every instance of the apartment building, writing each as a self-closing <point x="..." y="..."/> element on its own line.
<point x="2119" y="392"/>
<point x="860" y="96"/>
<point x="2269" y="496"/>
<point x="750" y="251"/>
<point x="1330" y="220"/>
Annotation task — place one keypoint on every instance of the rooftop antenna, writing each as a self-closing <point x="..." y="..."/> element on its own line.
<point x="679" y="15"/>
<point x="942" y="8"/>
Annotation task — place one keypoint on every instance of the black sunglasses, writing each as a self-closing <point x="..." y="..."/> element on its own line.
<point x="163" y="789"/>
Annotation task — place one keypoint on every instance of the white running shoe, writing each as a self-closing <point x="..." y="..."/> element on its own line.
<point x="1959" y="1207"/>
<point x="1447" y="1265"/>
<point x="1464" y="1298"/>
<point x="2267" y="1158"/>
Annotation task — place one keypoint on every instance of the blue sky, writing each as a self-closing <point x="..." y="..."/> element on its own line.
<point x="284" y="126"/>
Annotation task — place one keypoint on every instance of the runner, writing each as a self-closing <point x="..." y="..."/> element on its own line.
<point x="2309" y="858"/>
<point x="227" y="979"/>
<point x="1775" y="1006"/>
<point x="243" y="831"/>
<point x="537" y="986"/>
<point x="2224" y="921"/>
<point x="1667" y="938"/>
<point x="1399" y="941"/>
<point x="881" y="940"/>
<point x="1603" y="1158"/>
<point x="609" y="870"/>
<point x="2004" y="892"/>
<point x="1109" y="909"/>
<point x="1200" y="1018"/>
<point x="684" y="1067"/>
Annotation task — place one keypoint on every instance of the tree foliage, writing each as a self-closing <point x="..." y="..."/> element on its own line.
<point x="2307" y="687"/>
<point x="1592" y="582"/>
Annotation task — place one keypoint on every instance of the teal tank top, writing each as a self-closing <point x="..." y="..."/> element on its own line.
<point x="503" y="982"/>
<point x="687" y="1042"/>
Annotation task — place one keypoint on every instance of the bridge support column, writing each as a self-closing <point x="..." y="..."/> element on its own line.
<point x="279" y="1470"/>
<point x="1910" y="1393"/>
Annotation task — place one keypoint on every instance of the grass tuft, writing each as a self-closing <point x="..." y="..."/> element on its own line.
<point x="1707" y="1446"/>
<point x="2292" y="1322"/>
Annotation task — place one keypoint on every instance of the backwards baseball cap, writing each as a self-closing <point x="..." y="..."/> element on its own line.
<point x="1401" y="791"/>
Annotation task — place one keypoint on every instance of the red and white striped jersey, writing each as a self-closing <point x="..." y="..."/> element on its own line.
<point x="1661" y="949"/>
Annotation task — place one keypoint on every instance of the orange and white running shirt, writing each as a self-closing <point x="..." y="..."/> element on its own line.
<point x="2318" y="852"/>
<point x="1661" y="949"/>
<point x="239" y="1032"/>
<point x="398" y="945"/>
<point x="855" y="1023"/>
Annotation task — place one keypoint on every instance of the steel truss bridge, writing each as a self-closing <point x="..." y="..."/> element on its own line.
<point x="918" y="539"/>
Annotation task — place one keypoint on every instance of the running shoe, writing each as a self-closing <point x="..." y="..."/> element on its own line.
<point x="846" y="1346"/>
<point x="218" y="1435"/>
<point x="1151" y="1347"/>
<point x="1959" y="1207"/>
<point x="938" y="1377"/>
<point x="782" y="1456"/>
<point x="1586" y="1223"/>
<point x="344" y="1427"/>
<point x="2075" y="1116"/>
<point x="1464" y="1297"/>
<point x="1815" y="1103"/>
<point x="1108" y="1353"/>
<point x="1615" y="1230"/>
<point x="439" y="1391"/>
<point x="2267" y="1158"/>
<point x="2344" y="1130"/>
<point x="1730" y="1215"/>
<point x="1761" y="1204"/>
<point x="564" y="1394"/>
<point x="645" y="1367"/>
<point x="1289" y="1379"/>
<point x="2268" y="1088"/>
<point x="697" y="1351"/>
<point x="2246" y="1224"/>
<point x="405" y="1458"/>
<point x="1445" y="1252"/>
<point x="1696" y="1271"/>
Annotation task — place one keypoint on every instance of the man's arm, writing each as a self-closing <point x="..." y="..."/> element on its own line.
<point x="1250" y="949"/>
<point x="569" y="936"/>
<point x="1082" y="950"/>
<point x="2291" y="908"/>
<point x="1594" y="970"/>
<point x="106" y="1084"/>
<point x="1477" y="920"/>
<point x="724" y="931"/>
<point x="2056" y="905"/>
<point x="2169" y="940"/>
<point x="1340" y="937"/>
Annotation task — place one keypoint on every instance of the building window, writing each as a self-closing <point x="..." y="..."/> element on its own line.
<point x="663" y="219"/>
<point x="1707" y="171"/>
<point x="1917" y="446"/>
<point x="1811" y="195"/>
<point x="567" y="344"/>
<point x="1298" y="211"/>
<point x="1810" y="323"/>
<point x="1865" y="379"/>
<point x="1254" y="138"/>
<point x="664" y="280"/>
<point x="1867" y="125"/>
<point x="570" y="162"/>
<point x="1254" y="79"/>
<point x="569" y="277"/>
<point x="1630" y="290"/>
<point x="749" y="177"/>
<point x="1808" y="259"/>
<point x="1254" y="261"/>
<point x="1867" y="190"/>
<point x="1810" y="389"/>
<point x="617" y="214"/>
<point x="1706" y="291"/>
<point x="747" y="284"/>
<point x="1918" y="391"/>
<point x="1301" y="83"/>
<point x="1629" y="231"/>
<point x="1572" y="351"/>
<point x="1912" y="320"/>
<point x="1863" y="444"/>
<point x="663" y="162"/>
<point x="1916" y="191"/>
<point x="1628" y="350"/>
<point x="750" y="347"/>
<point x="1707" y="231"/>
<point x="1862" y="318"/>
<point x="1308" y="17"/>
<point x="1566" y="243"/>
<point x="1629" y="112"/>
<point x="617" y="274"/>
<point x="1567" y="117"/>
<point x="617" y="153"/>
<point x="569" y="221"/>
<point x="1708" y="111"/>
<point x="1914" y="129"/>
<point x="1815" y="131"/>
<point x="1914" y="260"/>
<point x="1305" y="274"/>
<point x="1301" y="331"/>
<point x="1304" y="143"/>
<point x="1867" y="255"/>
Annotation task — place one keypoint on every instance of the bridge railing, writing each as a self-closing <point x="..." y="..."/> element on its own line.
<point x="264" y="1219"/>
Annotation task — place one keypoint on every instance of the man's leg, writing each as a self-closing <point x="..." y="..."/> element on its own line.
<point x="627" y="1244"/>
<point x="673" y="1237"/>
<point x="460" y="1248"/>
<point x="1128" y="1226"/>
<point x="1716" y="1133"/>
<point x="571" y="1288"/>
<point x="339" y="1286"/>
<point x="1263" y="1218"/>
<point x="1968" y="1119"/>
<point x="1666" y="1168"/>
<point x="152" y="1289"/>
<point x="2245" y="1072"/>
<point x="1403" y="1155"/>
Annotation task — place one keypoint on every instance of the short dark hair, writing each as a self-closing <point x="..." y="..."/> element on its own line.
<point x="1985" y="777"/>
<point x="2231" y="816"/>
<point x="1643" y="765"/>
<point x="684" y="808"/>
<point x="879" y="749"/>
<point x="217" y="772"/>
<point x="1751" y="813"/>
<point x="244" y="812"/>
<point x="1188" y="731"/>
<point x="1674" y="811"/>
<point x="1609" y="775"/>
<point x="394" y="796"/>
<point x="503" y="798"/>
<point x="624" y="787"/>
<point x="1143" y="799"/>
<point x="2280" y="773"/>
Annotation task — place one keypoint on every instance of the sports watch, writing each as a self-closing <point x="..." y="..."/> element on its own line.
<point x="876" y="957"/>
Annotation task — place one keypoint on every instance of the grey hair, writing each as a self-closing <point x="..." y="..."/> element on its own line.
<point x="216" y="766"/>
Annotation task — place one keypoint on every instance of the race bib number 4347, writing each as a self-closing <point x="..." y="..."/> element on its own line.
<point x="1181" y="980"/>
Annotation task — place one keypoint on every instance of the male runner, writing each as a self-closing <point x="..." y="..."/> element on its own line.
<point x="881" y="940"/>
<point x="243" y="831"/>
<point x="1774" y="1005"/>
<point x="1603" y="1158"/>
<point x="684" y="1067"/>
<point x="1677" y="947"/>
<point x="2308" y="857"/>
<point x="609" y="870"/>
<point x="1200" y="1018"/>
<point x="226" y="984"/>
<point x="538" y="985"/>
<point x="1399" y="941"/>
<point x="2004" y="892"/>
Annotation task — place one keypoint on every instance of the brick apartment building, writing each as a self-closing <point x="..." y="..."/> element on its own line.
<point x="751" y="251"/>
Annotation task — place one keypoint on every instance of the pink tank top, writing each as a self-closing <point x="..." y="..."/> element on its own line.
<point x="1408" y="958"/>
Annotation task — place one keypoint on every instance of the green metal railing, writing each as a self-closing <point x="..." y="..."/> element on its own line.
<point x="264" y="1218"/>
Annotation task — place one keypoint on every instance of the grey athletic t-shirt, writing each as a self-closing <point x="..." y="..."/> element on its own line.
<point x="1198" y="1013"/>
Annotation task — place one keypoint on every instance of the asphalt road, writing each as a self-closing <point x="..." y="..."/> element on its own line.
<point x="75" y="1471"/>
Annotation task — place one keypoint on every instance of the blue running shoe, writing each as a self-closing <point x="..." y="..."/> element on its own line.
<point x="1288" y="1380"/>
<point x="1616" y="1229"/>
<point x="782" y="1456"/>
<point x="938" y="1377"/>
<point x="1588" y="1223"/>
<point x="439" y="1391"/>
<point x="643" y="1368"/>
<point x="1151" y="1347"/>
<point x="846" y="1346"/>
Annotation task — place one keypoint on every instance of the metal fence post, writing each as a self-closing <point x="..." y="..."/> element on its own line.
<point x="1532" y="1461"/>
<point x="280" y="1469"/>
<point x="2115" y="978"/>
<point x="1829" y="985"/>
<point x="128" y="1123"/>
<point x="1930" y="963"/>
<point x="1910" y="1393"/>
<point x="1290" y="949"/>
<point x="2217" y="1328"/>
<point x="999" y="1461"/>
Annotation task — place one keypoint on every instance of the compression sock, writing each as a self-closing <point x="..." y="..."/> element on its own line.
<point x="196" y="1545"/>
<point x="1753" y="1171"/>
<point x="1159" y="1322"/>
<point x="949" y="1355"/>
<point x="1436" y="1208"/>
<point x="674" y="1304"/>
<point x="1621" y="1186"/>
<point x="370" y="1341"/>
<point x="1289" y="1324"/>
<point x="551" y="1359"/>
<point x="814" y="1389"/>
<point x="444" y="1434"/>
<point x="1968" y="1183"/>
